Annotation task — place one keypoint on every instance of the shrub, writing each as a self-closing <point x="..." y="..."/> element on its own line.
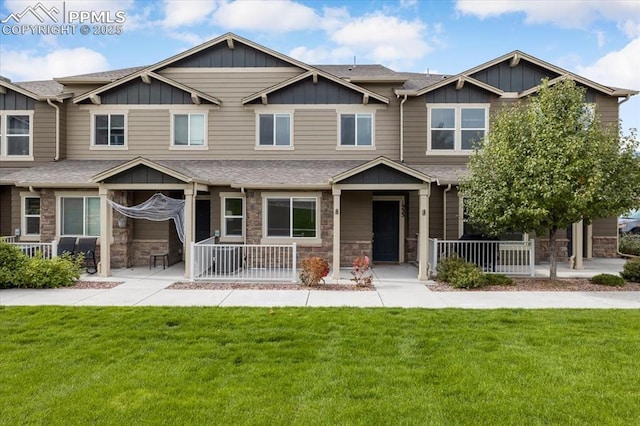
<point x="631" y="270"/>
<point x="459" y="273"/>
<point x="630" y="244"/>
<point x="12" y="260"/>
<point x="497" y="279"/>
<point x="61" y="271"/>
<point x="608" y="279"/>
<point x="362" y="272"/>
<point x="314" y="269"/>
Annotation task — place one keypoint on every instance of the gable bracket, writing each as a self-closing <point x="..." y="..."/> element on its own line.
<point x="365" y="99"/>
<point x="230" y="42"/>
<point x="515" y="60"/>
<point x="95" y="99"/>
<point x="145" y="78"/>
<point x="195" y="98"/>
<point x="3" y="90"/>
<point x="264" y="99"/>
<point x="315" y="77"/>
<point x="460" y="83"/>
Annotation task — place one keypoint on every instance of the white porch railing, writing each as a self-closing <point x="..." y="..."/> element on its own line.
<point x="31" y="249"/>
<point x="501" y="257"/>
<point x="245" y="262"/>
<point x="8" y="239"/>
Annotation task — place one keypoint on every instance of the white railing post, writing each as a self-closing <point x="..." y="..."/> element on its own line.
<point x="54" y="249"/>
<point x="294" y="277"/>
<point x="192" y="261"/>
<point x="532" y="257"/>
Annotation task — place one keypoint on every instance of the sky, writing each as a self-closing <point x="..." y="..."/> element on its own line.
<point x="599" y="40"/>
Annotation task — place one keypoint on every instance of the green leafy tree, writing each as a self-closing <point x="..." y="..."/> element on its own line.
<point x="547" y="163"/>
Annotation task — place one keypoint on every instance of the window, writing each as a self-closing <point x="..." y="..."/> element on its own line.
<point x="80" y="216"/>
<point x="109" y="130"/>
<point x="274" y="129"/>
<point x="31" y="215"/>
<point x="356" y="130"/>
<point x="588" y="115"/>
<point x="291" y="217"/>
<point x="16" y="134"/>
<point x="456" y="128"/>
<point x="233" y="218"/>
<point x="189" y="129"/>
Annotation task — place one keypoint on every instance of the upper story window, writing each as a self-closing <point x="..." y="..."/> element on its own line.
<point x="454" y="128"/>
<point x="189" y="130"/>
<point x="274" y="130"/>
<point x="16" y="135"/>
<point x="356" y="130"/>
<point x="109" y="130"/>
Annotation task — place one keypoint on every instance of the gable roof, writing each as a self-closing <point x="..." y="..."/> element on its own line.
<point x="6" y="84"/>
<point x="459" y="80"/>
<point x="385" y="162"/>
<point x="94" y="94"/>
<point x="314" y="74"/>
<point x="140" y="161"/>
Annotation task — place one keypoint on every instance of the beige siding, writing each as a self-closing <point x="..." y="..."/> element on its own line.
<point x="44" y="137"/>
<point x="608" y="109"/>
<point x="415" y="130"/>
<point x="144" y="229"/>
<point x="356" y="218"/>
<point x="605" y="227"/>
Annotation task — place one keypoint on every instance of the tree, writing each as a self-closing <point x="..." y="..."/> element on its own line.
<point x="547" y="163"/>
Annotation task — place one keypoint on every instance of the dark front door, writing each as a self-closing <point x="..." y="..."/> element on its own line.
<point x="203" y="220"/>
<point x="386" y="231"/>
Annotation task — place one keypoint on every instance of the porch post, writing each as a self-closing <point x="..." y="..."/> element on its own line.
<point x="423" y="230"/>
<point x="577" y="244"/>
<point x="105" y="232"/>
<point x="188" y="229"/>
<point x="589" y="253"/>
<point x="336" y="233"/>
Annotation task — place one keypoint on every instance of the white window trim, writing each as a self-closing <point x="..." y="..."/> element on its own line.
<point x="289" y="147"/>
<point x="23" y="216"/>
<point x="204" y="146"/>
<point x="371" y="147"/>
<point x="4" y="146"/>
<point x="93" y="146"/>
<point x="71" y="194"/>
<point x="224" y="238"/>
<point x="305" y="241"/>
<point x="457" y="140"/>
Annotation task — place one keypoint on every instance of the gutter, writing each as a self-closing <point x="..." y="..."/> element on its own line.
<point x="624" y="100"/>
<point x="402" y="128"/>
<point x="57" y="108"/>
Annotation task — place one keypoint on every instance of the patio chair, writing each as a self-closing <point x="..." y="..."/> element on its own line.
<point x="66" y="245"/>
<point x="87" y="247"/>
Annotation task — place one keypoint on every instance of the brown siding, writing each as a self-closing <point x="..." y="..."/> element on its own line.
<point x="605" y="227"/>
<point x="608" y="109"/>
<point x="6" y="211"/>
<point x="144" y="229"/>
<point x="453" y="203"/>
<point x="356" y="217"/>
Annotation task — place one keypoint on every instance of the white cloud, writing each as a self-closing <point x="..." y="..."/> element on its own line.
<point x="384" y="38"/>
<point x="618" y="68"/>
<point x="322" y="55"/>
<point x="567" y="14"/>
<point x="278" y="16"/>
<point x="178" y="13"/>
<point x="25" y="65"/>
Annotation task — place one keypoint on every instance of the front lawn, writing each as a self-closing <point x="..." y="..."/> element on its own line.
<point x="175" y="366"/>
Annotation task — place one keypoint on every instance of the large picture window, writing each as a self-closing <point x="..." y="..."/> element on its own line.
<point x="274" y="130"/>
<point x="291" y="217"/>
<point x="109" y="130"/>
<point x="189" y="129"/>
<point x="456" y="128"/>
<point x="16" y="134"/>
<point x="80" y="216"/>
<point x="356" y="129"/>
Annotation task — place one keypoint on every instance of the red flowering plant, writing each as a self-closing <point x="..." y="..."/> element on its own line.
<point x="361" y="272"/>
<point x="314" y="269"/>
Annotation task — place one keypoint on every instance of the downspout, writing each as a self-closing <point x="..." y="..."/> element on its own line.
<point x="57" y="108"/>
<point x="402" y="128"/>
<point x="444" y="209"/>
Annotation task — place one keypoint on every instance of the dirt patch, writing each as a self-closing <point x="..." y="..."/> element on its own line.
<point x="263" y="286"/>
<point x="543" y="284"/>
<point x="95" y="284"/>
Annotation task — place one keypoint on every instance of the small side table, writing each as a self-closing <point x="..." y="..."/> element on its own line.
<point x="153" y="257"/>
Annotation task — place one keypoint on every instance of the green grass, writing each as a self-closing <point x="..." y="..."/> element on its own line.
<point x="175" y="366"/>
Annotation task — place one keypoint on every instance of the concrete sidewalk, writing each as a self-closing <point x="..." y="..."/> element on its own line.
<point x="396" y="286"/>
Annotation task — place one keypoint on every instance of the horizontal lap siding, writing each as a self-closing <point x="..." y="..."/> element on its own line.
<point x="44" y="136"/>
<point x="356" y="218"/>
<point x="415" y="130"/>
<point x="605" y="227"/>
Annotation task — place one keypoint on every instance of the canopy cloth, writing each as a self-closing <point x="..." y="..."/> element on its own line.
<point x="157" y="208"/>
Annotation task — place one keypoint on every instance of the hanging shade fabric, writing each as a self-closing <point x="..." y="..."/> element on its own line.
<point x="157" y="208"/>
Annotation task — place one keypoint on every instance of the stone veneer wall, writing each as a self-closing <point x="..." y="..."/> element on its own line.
<point x="411" y="249"/>
<point x="351" y="249"/>
<point x="543" y="249"/>
<point x="47" y="215"/>
<point x="605" y="246"/>
<point x="254" y="225"/>
<point x="140" y="250"/>
<point x="122" y="236"/>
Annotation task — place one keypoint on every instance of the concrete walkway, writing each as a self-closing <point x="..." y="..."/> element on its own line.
<point x="396" y="286"/>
